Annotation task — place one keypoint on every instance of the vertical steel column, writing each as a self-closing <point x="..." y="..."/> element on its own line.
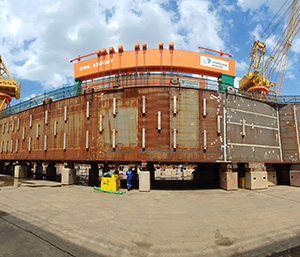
<point x="55" y="129"/>
<point x="37" y="130"/>
<point x="174" y="105"/>
<point x="144" y="105"/>
<point x="45" y="143"/>
<point x="243" y="127"/>
<point x="204" y="107"/>
<point x="66" y="113"/>
<point x="65" y="141"/>
<point x="218" y="124"/>
<point x="114" y="106"/>
<point x="297" y="130"/>
<point x="100" y="123"/>
<point x="279" y="134"/>
<point x="87" y="110"/>
<point x="143" y="138"/>
<point x="46" y="117"/>
<point x="114" y="139"/>
<point x="87" y="140"/>
<point x="29" y="144"/>
<point x="23" y="134"/>
<point x="174" y="139"/>
<point x="225" y="133"/>
<point x="159" y="121"/>
<point x="204" y="141"/>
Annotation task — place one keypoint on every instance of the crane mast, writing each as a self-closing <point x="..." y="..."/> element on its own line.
<point x="8" y="87"/>
<point x="260" y="72"/>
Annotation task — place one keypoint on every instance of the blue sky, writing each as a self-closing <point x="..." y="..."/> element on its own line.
<point x="39" y="37"/>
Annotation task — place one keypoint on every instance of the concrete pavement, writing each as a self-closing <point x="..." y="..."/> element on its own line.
<point x="76" y="221"/>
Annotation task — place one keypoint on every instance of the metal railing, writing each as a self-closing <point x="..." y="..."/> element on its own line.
<point x="138" y="80"/>
<point x="55" y="95"/>
<point x="272" y="99"/>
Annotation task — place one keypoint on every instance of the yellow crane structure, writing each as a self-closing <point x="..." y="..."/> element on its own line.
<point x="260" y="71"/>
<point x="9" y="88"/>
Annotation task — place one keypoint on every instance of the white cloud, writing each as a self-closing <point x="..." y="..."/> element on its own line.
<point x="236" y="82"/>
<point x="200" y="25"/>
<point x="269" y="13"/>
<point x="255" y="34"/>
<point x="290" y="75"/>
<point x="224" y="6"/>
<point x="29" y="97"/>
<point x="254" y="5"/>
<point x="39" y="39"/>
<point x="296" y="46"/>
<point x="242" y="66"/>
<point x="271" y="42"/>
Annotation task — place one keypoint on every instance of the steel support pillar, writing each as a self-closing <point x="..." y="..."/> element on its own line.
<point x="39" y="171"/>
<point x="94" y="174"/>
<point x="21" y="170"/>
<point x="51" y="171"/>
<point x="295" y="175"/>
<point x="68" y="174"/>
<point x="144" y="176"/>
<point x="256" y="176"/>
<point x="2" y="167"/>
<point x="228" y="176"/>
<point x="272" y="174"/>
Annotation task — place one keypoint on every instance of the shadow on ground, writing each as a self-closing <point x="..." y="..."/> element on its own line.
<point x="180" y="185"/>
<point x="293" y="252"/>
<point x="172" y="185"/>
<point x="274" y="250"/>
<point x="20" y="238"/>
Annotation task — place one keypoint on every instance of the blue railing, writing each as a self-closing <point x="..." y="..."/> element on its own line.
<point x="289" y="99"/>
<point x="55" y="95"/>
<point x="138" y="80"/>
<point x="273" y="99"/>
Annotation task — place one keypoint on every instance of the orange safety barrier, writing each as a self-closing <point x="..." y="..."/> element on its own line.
<point x="143" y="60"/>
<point x="260" y="89"/>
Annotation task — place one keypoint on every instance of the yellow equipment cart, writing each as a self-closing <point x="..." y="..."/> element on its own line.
<point x="110" y="183"/>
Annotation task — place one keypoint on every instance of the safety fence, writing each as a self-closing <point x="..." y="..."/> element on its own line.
<point x="142" y="80"/>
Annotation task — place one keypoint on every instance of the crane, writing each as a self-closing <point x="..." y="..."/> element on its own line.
<point x="8" y="87"/>
<point x="260" y="71"/>
<point x="214" y="51"/>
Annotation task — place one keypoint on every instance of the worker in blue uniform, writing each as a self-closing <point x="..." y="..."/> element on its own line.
<point x="129" y="174"/>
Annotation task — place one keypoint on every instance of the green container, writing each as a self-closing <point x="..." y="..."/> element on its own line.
<point x="226" y="81"/>
<point x="78" y="87"/>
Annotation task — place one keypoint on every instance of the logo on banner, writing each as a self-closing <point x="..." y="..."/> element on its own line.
<point x="214" y="63"/>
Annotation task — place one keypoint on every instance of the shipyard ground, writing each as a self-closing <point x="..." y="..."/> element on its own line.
<point x="41" y="218"/>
